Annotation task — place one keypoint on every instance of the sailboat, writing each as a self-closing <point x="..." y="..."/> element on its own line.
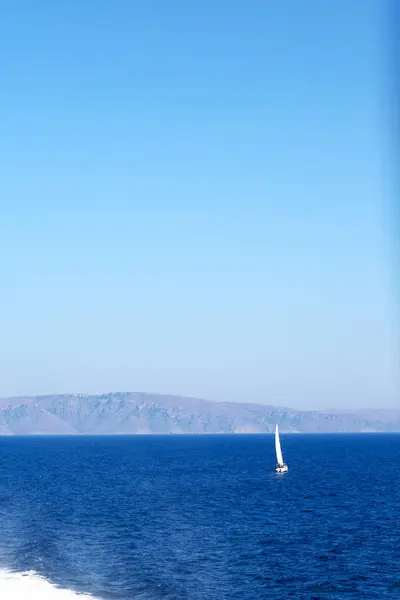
<point x="280" y="465"/>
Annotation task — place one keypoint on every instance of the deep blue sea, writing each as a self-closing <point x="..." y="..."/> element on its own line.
<point x="200" y="517"/>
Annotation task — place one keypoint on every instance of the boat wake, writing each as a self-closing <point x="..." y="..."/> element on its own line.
<point x="18" y="586"/>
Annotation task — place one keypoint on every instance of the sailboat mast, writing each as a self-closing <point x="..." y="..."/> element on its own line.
<point x="279" y="457"/>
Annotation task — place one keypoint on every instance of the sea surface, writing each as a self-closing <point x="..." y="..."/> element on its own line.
<point x="200" y="517"/>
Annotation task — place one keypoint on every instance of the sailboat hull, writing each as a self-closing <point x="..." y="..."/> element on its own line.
<point x="281" y="469"/>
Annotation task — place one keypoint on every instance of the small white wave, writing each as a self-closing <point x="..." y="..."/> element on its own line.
<point x="18" y="586"/>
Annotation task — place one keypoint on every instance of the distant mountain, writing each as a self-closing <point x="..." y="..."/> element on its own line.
<point x="139" y="413"/>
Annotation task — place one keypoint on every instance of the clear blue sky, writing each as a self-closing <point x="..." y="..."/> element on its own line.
<point x="194" y="200"/>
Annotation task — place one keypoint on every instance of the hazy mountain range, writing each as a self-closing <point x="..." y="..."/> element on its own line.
<point x="140" y="413"/>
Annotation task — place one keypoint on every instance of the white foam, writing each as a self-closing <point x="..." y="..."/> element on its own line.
<point x="18" y="586"/>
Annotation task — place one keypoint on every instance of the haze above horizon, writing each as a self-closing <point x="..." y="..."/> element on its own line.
<point x="195" y="201"/>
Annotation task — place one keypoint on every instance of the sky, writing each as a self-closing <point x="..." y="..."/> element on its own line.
<point x="195" y="198"/>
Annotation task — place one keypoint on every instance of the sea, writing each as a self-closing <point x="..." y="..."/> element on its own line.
<point x="200" y="517"/>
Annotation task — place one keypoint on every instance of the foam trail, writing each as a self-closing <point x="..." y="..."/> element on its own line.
<point x="18" y="586"/>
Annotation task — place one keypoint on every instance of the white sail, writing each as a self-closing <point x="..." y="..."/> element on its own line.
<point x="279" y="457"/>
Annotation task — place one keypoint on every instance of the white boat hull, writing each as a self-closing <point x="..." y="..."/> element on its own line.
<point x="281" y="468"/>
